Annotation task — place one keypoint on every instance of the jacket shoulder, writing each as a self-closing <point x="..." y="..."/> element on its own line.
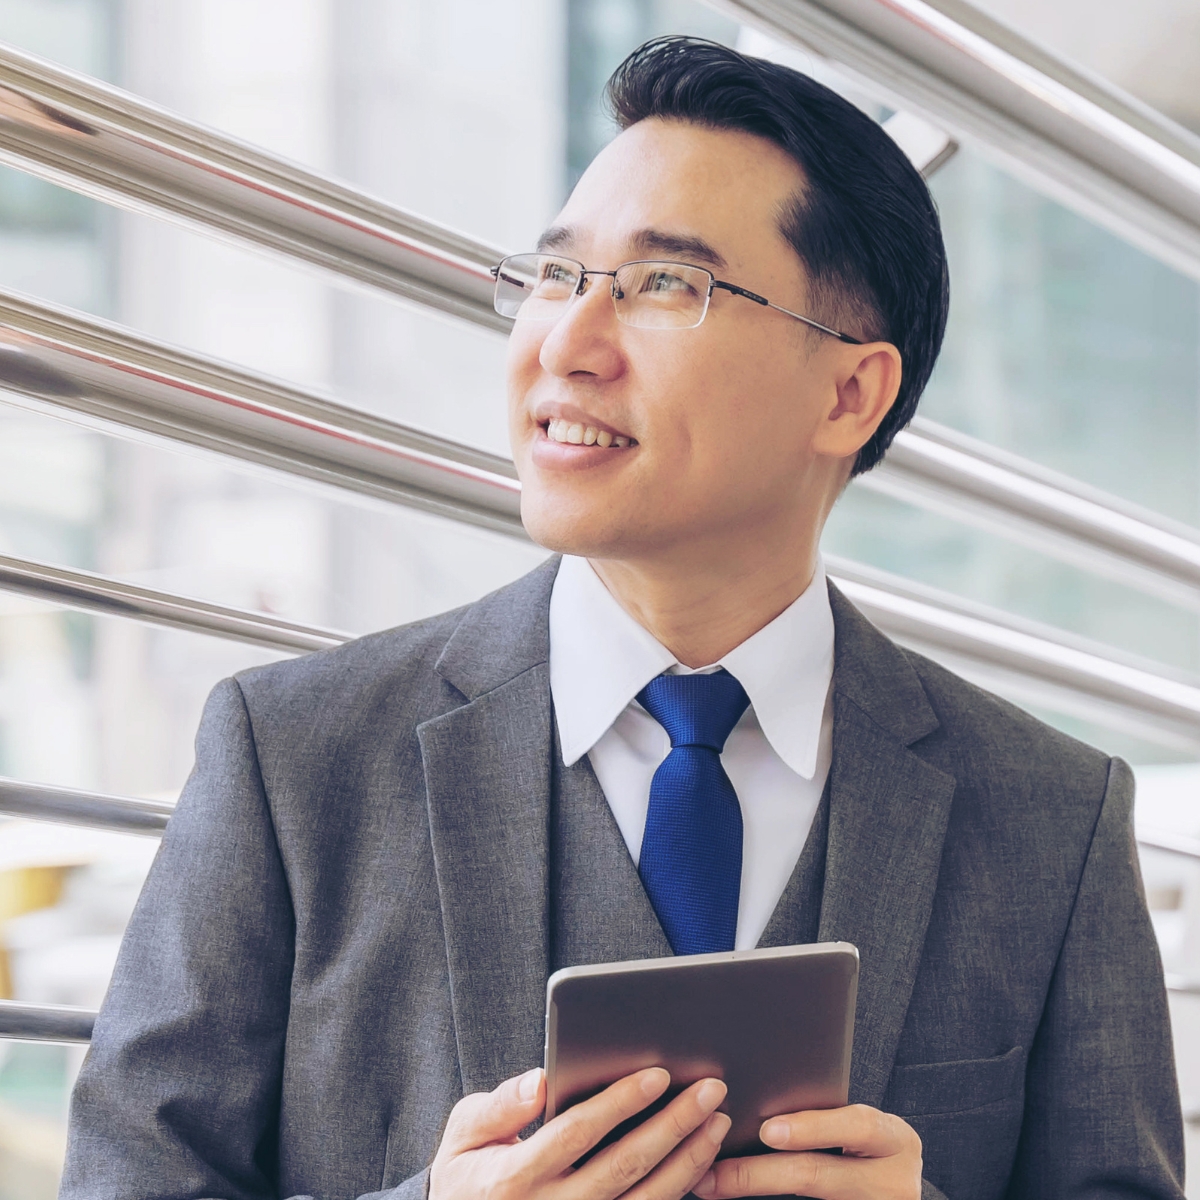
<point x="393" y="676"/>
<point x="385" y="659"/>
<point x="985" y="736"/>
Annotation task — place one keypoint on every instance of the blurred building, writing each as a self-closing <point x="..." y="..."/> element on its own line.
<point x="1066" y="345"/>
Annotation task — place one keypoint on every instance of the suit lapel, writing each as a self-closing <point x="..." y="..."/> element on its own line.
<point x="488" y="770"/>
<point x="888" y="812"/>
<point x="601" y="910"/>
<point x="487" y="775"/>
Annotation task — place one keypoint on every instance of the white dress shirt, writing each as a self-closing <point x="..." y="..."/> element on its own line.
<point x="777" y="756"/>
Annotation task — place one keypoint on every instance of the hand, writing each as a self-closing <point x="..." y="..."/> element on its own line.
<point x="662" y="1159"/>
<point x="880" y="1159"/>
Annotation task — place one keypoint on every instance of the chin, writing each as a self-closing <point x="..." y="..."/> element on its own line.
<point x="601" y="536"/>
<point x="584" y="534"/>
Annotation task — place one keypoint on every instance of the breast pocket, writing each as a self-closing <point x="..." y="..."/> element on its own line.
<point x="927" y="1089"/>
<point x="968" y="1114"/>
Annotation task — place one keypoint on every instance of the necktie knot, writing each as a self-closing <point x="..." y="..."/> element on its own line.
<point x="696" y="710"/>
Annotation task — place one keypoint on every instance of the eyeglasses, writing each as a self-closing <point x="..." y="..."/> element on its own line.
<point x="646" y="294"/>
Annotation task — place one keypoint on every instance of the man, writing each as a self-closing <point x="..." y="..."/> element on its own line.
<point x="384" y="849"/>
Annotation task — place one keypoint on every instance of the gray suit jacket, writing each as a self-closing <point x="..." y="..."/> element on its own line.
<point x="347" y="928"/>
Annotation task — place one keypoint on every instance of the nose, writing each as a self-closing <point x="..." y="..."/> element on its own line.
<point x="585" y="339"/>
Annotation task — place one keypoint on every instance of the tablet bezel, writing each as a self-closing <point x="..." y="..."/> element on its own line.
<point x="692" y="971"/>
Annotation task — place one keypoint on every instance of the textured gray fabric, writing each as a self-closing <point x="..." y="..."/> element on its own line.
<point x="599" y="911"/>
<point x="349" y="925"/>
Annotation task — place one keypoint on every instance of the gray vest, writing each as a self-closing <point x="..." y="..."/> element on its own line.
<point x="599" y="911"/>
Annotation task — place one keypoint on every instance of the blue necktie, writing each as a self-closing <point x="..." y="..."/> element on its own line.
<point x="691" y="857"/>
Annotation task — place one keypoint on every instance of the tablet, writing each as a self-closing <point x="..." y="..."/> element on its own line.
<point x="776" y="1025"/>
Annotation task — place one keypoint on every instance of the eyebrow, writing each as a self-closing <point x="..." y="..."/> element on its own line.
<point x="645" y="241"/>
<point x="655" y="241"/>
<point x="557" y="237"/>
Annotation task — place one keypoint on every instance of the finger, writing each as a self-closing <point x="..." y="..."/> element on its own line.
<point x="819" y="1176"/>
<point x="823" y="1176"/>
<point x="484" y="1118"/>
<point x="566" y="1139"/>
<point x="686" y="1165"/>
<point x="857" y="1129"/>
<point x="619" y="1166"/>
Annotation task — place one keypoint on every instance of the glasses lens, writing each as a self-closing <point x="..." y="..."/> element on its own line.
<point x="661" y="295"/>
<point x="535" y="286"/>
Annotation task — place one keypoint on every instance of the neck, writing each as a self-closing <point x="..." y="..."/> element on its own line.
<point x="701" y="605"/>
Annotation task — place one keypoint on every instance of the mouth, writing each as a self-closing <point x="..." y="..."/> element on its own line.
<point x="577" y="433"/>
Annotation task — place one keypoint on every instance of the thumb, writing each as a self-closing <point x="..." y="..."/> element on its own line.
<point x="484" y="1118"/>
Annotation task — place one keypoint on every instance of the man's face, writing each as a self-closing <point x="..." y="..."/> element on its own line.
<point x="720" y="418"/>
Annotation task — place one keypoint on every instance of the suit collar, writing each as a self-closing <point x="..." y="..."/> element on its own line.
<point x="888" y="815"/>
<point x="874" y="674"/>
<point x="507" y="632"/>
<point x="501" y="636"/>
<point x="487" y="783"/>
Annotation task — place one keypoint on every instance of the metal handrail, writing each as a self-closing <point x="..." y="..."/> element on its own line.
<point x="1117" y="159"/>
<point x="932" y="620"/>
<point x="972" y="482"/>
<point x="1064" y="129"/>
<point x="45" y="1022"/>
<point x="1169" y="842"/>
<point x="68" y="806"/>
<point x="20" y="1021"/>
<point x="106" y="143"/>
<point x="101" y="140"/>
<point x="89" y="592"/>
<point x="1073" y="674"/>
<point x="1024" y="657"/>
<point x="1035" y="662"/>
<point x="98" y="372"/>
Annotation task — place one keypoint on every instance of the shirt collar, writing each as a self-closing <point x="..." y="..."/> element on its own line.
<point x="600" y="658"/>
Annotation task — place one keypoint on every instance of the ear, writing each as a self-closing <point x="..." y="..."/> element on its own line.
<point x="866" y="380"/>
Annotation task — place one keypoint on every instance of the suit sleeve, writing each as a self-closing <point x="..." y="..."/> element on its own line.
<point x="179" y="1096"/>
<point x="1102" y="1115"/>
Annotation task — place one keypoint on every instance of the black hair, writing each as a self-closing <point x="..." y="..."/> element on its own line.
<point x="865" y="226"/>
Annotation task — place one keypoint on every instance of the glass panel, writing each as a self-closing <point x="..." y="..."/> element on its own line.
<point x="933" y="549"/>
<point x="53" y="242"/>
<point x="1065" y="344"/>
<point x="600" y="33"/>
<point x="33" y="1098"/>
<point x="110" y="704"/>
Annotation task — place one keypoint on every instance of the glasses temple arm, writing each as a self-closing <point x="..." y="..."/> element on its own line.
<point x="741" y="291"/>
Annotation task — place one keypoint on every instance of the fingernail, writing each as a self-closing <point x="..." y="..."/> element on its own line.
<point x="655" y="1081"/>
<point x="775" y="1133"/>
<point x="527" y="1085"/>
<point x="717" y="1128"/>
<point x="711" y="1093"/>
<point x="706" y="1186"/>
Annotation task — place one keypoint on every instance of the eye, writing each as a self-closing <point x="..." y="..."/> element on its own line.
<point x="663" y="281"/>
<point x="556" y="272"/>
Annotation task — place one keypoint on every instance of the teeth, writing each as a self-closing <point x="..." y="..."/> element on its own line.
<point x="577" y="434"/>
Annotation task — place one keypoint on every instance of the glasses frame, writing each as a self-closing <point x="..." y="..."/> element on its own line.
<point x="713" y="284"/>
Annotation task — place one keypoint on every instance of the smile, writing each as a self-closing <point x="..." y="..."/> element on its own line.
<point x="577" y="434"/>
